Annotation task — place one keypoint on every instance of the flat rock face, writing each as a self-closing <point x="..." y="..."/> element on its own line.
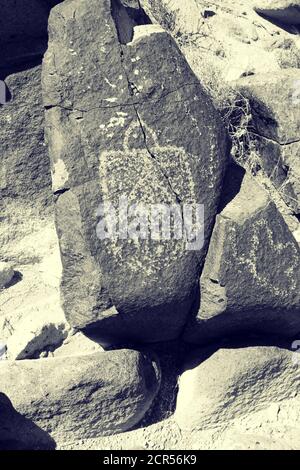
<point x="285" y="11"/>
<point x="84" y="396"/>
<point x="25" y="167"/>
<point x="251" y="277"/>
<point x="132" y="124"/>
<point x="232" y="383"/>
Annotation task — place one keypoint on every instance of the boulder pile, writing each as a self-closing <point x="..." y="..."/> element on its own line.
<point x="162" y="137"/>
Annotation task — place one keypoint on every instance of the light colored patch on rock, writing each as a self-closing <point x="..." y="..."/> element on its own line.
<point x="59" y="175"/>
<point x="77" y="344"/>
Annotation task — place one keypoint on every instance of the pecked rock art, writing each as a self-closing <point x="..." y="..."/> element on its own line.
<point x="251" y="277"/>
<point x="164" y="229"/>
<point x="128" y="124"/>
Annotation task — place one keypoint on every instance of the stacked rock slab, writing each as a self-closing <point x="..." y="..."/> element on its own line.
<point x="274" y="101"/>
<point x="251" y="278"/>
<point x="82" y="396"/>
<point x="126" y="118"/>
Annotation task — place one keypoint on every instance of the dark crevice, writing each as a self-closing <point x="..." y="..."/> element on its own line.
<point x="153" y="157"/>
<point x="126" y="18"/>
<point x="232" y="184"/>
<point x="59" y="192"/>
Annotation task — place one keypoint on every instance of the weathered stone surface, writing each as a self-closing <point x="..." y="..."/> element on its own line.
<point x="274" y="102"/>
<point x="36" y="334"/>
<point x="133" y="122"/>
<point x="84" y="396"/>
<point x="25" y="167"/>
<point x="285" y="11"/>
<point x="251" y="277"/>
<point x="19" y="433"/>
<point x="77" y="344"/>
<point x="6" y="274"/>
<point x="232" y="383"/>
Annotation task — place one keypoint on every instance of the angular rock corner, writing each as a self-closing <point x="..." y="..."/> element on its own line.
<point x="253" y="252"/>
<point x="126" y="117"/>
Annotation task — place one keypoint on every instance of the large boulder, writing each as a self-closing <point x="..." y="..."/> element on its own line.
<point x="251" y="277"/>
<point x="232" y="383"/>
<point x="82" y="396"/>
<point x="284" y="11"/>
<point x="132" y="125"/>
<point x="274" y="104"/>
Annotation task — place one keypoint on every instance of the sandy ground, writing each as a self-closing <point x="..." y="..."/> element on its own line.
<point x="275" y="428"/>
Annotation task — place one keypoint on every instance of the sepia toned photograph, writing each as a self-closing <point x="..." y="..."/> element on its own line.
<point x="149" y="228"/>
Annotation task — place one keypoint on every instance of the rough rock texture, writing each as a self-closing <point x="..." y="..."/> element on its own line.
<point x="251" y="277"/>
<point x="34" y="335"/>
<point x="83" y="396"/>
<point x="274" y="102"/>
<point x="284" y="11"/>
<point x="6" y="274"/>
<point x="234" y="382"/>
<point x="19" y="433"/>
<point x="124" y="126"/>
<point x="25" y="168"/>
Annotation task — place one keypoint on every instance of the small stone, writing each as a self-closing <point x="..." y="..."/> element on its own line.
<point x="37" y="334"/>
